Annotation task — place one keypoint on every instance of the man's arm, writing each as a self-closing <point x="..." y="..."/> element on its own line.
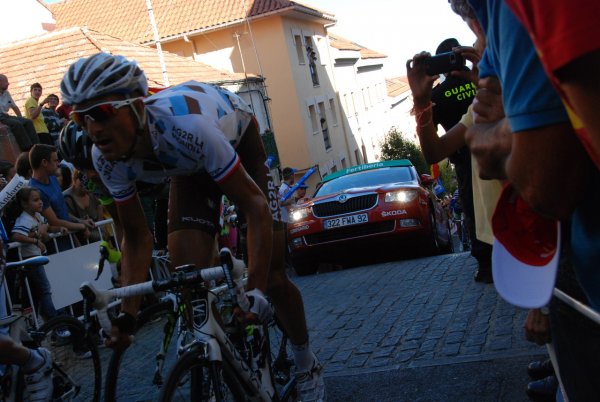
<point x="17" y="111"/>
<point x="248" y="197"/>
<point x="437" y="148"/>
<point x="34" y="112"/>
<point x="54" y="220"/>
<point x="550" y="169"/>
<point x="580" y="83"/>
<point x="434" y="148"/>
<point x="532" y="160"/>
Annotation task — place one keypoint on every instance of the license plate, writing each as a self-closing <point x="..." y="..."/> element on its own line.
<point x="345" y="221"/>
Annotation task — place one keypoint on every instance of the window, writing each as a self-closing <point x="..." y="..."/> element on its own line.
<point x="313" y="119"/>
<point x="333" y="169"/>
<point x="343" y="161"/>
<point x="324" y="128"/>
<point x="347" y="105"/>
<point x="356" y="102"/>
<point x="364" y="99"/>
<point x="334" y="118"/>
<point x="299" y="49"/>
<point x="357" y="156"/>
<point x="311" y="55"/>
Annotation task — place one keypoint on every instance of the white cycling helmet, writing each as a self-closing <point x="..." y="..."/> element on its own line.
<point x="102" y="74"/>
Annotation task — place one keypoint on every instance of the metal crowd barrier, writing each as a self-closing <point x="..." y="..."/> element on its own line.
<point x="580" y="308"/>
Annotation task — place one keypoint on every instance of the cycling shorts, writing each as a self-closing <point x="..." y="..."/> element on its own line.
<point x="194" y="200"/>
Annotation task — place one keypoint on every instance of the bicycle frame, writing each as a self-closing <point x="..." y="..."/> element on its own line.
<point x="207" y="332"/>
<point x="217" y="346"/>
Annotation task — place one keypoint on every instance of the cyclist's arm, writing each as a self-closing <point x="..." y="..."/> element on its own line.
<point x="248" y="197"/>
<point x="136" y="247"/>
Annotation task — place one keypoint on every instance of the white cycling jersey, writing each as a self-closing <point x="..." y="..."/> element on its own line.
<point x="194" y="127"/>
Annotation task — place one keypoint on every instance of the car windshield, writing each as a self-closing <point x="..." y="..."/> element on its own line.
<point x="375" y="177"/>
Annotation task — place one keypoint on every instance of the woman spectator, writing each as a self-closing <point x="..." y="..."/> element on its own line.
<point x="64" y="177"/>
<point x="83" y="205"/>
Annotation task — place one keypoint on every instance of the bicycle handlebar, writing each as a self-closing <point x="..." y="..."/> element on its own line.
<point x="37" y="260"/>
<point x="231" y="269"/>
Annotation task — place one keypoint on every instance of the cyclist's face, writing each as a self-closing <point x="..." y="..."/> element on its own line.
<point x="114" y="133"/>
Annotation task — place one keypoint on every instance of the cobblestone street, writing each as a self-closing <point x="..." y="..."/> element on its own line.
<point x="413" y="313"/>
<point x="399" y="319"/>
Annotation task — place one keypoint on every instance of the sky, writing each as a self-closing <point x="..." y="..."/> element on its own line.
<point x="397" y="28"/>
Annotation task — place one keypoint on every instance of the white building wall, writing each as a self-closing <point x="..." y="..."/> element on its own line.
<point x="363" y="96"/>
<point x="400" y="117"/>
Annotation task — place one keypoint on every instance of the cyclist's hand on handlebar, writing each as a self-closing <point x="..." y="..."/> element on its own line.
<point x="260" y="309"/>
<point x="121" y="332"/>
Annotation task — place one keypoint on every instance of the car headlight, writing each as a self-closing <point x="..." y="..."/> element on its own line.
<point x="401" y="196"/>
<point x="299" y="214"/>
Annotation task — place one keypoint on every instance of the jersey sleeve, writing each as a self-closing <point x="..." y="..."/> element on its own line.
<point x="22" y="225"/>
<point x="114" y="176"/>
<point x="220" y="159"/>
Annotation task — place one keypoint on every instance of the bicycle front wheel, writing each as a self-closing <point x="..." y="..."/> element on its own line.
<point x="76" y="364"/>
<point x="193" y="378"/>
<point x="141" y="363"/>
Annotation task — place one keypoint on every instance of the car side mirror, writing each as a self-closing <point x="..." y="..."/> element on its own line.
<point x="426" y="179"/>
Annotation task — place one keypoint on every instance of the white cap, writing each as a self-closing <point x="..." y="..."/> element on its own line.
<point x="526" y="252"/>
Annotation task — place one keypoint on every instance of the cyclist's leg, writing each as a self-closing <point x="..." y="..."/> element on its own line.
<point x="285" y="295"/>
<point x="193" y="220"/>
<point x="11" y="352"/>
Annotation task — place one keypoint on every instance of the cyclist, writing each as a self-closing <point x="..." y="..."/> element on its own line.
<point x="206" y="139"/>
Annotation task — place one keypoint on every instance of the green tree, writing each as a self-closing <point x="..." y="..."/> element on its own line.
<point x="394" y="146"/>
<point x="448" y="176"/>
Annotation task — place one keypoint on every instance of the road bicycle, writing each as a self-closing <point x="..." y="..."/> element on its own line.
<point x="76" y="370"/>
<point x="215" y="357"/>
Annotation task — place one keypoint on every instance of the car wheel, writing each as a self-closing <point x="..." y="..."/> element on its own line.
<point x="434" y="243"/>
<point x="305" y="267"/>
<point x="448" y="248"/>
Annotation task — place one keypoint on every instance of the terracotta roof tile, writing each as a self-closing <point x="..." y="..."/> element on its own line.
<point x="45" y="59"/>
<point x="397" y="86"/>
<point x="341" y="43"/>
<point x="128" y="19"/>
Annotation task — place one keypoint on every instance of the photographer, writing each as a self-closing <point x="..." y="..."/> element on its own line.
<point x="445" y="104"/>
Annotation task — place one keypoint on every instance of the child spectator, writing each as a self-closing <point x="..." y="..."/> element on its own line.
<point x="53" y="121"/>
<point x="24" y="166"/>
<point x="7" y="170"/>
<point x="33" y="111"/>
<point x="31" y="229"/>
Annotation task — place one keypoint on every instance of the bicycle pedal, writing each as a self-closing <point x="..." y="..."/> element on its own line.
<point x="157" y="379"/>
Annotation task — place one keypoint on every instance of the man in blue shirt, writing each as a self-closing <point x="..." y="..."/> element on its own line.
<point x="44" y="162"/>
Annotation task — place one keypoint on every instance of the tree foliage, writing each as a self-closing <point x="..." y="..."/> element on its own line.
<point x="448" y="176"/>
<point x="395" y="146"/>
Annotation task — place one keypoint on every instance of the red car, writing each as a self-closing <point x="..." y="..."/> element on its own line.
<point x="383" y="204"/>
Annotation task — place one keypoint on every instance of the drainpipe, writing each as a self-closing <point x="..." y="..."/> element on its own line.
<point x="161" y="57"/>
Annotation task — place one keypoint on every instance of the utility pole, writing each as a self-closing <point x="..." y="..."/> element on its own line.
<point x="161" y="57"/>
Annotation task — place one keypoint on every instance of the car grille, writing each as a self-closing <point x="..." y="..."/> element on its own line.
<point x="354" y="204"/>
<point x="350" y="232"/>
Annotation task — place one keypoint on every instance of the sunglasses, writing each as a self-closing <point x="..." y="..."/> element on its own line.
<point x="100" y="112"/>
